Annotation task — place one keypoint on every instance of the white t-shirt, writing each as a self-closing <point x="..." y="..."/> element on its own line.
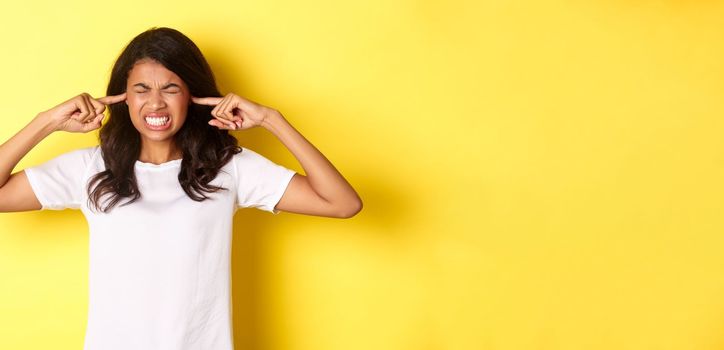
<point x="159" y="268"/>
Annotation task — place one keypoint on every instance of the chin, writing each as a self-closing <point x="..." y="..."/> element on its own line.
<point x="157" y="136"/>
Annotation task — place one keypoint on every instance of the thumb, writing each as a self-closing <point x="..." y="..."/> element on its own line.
<point x="93" y="124"/>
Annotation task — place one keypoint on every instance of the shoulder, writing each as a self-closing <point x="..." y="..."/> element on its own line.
<point x="84" y="160"/>
<point x="254" y="167"/>
<point x="84" y="157"/>
<point x="249" y="160"/>
<point x="69" y="167"/>
<point x="77" y="157"/>
<point x="246" y="155"/>
<point x="87" y="153"/>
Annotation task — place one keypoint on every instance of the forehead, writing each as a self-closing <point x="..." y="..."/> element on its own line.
<point x="152" y="72"/>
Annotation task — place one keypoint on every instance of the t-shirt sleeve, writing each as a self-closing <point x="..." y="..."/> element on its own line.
<point x="260" y="182"/>
<point x="59" y="182"/>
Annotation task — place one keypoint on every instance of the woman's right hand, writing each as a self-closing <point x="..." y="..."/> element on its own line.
<point x="81" y="113"/>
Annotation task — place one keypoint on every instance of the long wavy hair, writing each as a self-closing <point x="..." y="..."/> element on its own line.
<point x="205" y="148"/>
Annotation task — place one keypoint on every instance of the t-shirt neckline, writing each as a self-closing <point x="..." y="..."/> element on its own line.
<point x="170" y="163"/>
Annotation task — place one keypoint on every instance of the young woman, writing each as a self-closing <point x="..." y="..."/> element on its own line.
<point x="160" y="190"/>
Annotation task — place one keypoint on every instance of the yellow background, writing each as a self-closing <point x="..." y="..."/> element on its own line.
<point x="535" y="174"/>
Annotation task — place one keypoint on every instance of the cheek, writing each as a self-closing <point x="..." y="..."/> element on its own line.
<point x="178" y="103"/>
<point x="176" y="100"/>
<point x="133" y="101"/>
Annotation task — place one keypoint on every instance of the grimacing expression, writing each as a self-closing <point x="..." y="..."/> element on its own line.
<point x="157" y="100"/>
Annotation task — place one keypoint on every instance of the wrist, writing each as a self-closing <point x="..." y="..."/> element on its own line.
<point x="271" y="120"/>
<point x="45" y="123"/>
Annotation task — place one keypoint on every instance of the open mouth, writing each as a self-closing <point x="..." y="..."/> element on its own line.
<point x="157" y="121"/>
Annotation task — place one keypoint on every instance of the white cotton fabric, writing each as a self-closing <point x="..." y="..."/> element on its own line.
<point x="159" y="268"/>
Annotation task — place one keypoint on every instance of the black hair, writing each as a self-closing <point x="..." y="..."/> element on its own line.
<point x="205" y="148"/>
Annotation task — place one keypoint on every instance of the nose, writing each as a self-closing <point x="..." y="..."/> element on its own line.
<point x="155" y="100"/>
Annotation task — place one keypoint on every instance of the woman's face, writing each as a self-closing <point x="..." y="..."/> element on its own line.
<point x="157" y="100"/>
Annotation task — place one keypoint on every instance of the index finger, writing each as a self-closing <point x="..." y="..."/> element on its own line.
<point x="109" y="100"/>
<point x="209" y="101"/>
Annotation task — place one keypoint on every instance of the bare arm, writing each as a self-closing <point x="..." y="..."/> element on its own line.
<point x="15" y="191"/>
<point x="81" y="113"/>
<point x="323" y="191"/>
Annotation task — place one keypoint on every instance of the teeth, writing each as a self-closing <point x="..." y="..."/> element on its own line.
<point x="157" y="121"/>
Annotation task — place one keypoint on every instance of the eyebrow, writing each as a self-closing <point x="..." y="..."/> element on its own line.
<point x="169" y="85"/>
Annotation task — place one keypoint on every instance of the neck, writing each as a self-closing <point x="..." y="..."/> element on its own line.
<point x="157" y="152"/>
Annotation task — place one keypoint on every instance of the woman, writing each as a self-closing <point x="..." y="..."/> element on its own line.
<point x="160" y="190"/>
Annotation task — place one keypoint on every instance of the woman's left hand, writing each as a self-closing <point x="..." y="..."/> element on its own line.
<point x="233" y="112"/>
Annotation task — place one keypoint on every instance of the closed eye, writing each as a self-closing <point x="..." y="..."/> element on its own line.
<point x="169" y="92"/>
<point x="146" y="88"/>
